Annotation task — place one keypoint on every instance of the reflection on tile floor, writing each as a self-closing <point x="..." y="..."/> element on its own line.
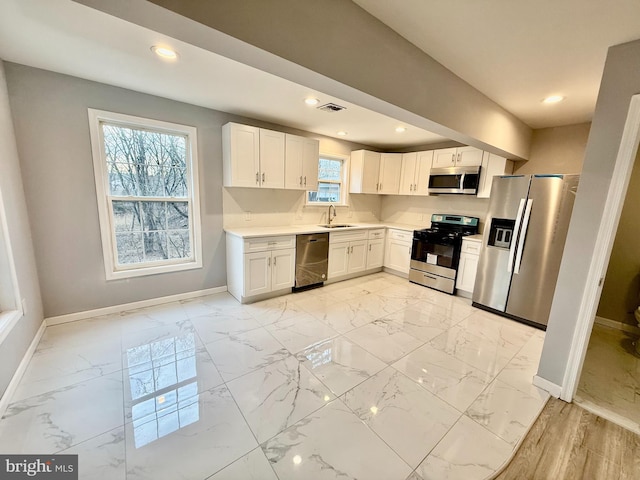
<point x="370" y="378"/>
<point x="610" y="380"/>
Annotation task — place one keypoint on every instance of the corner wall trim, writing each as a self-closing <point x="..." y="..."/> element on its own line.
<point x="72" y="317"/>
<point x="22" y="367"/>
<point x="623" y="327"/>
<point x="553" y="389"/>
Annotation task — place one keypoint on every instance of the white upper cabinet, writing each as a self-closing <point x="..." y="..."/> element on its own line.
<point x="390" y="167"/>
<point x="373" y="172"/>
<point x="252" y="157"/>
<point x="492" y="165"/>
<point x="271" y="159"/>
<point x="301" y="163"/>
<point x="457" y="157"/>
<point x="241" y="155"/>
<point x="365" y="172"/>
<point x="414" y="177"/>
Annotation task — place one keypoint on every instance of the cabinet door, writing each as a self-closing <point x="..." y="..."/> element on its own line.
<point x="370" y="172"/>
<point x="445" y="157"/>
<point x="492" y="165"/>
<point x="293" y="153"/>
<point x="310" y="157"/>
<point x="283" y="268"/>
<point x="423" y="168"/>
<point x="469" y="157"/>
<point x="357" y="256"/>
<point x="271" y="159"/>
<point x="338" y="260"/>
<point x="408" y="173"/>
<point x="375" y="254"/>
<point x="399" y="255"/>
<point x="390" y="167"/>
<point x="241" y="152"/>
<point x="467" y="269"/>
<point x="257" y="273"/>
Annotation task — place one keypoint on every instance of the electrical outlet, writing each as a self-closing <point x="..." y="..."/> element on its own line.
<point x="247" y="216"/>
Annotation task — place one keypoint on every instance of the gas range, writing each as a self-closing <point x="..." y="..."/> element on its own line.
<point x="435" y="252"/>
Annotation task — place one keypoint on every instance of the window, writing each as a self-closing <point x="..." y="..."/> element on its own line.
<point x="146" y="181"/>
<point x="10" y="303"/>
<point x="331" y="180"/>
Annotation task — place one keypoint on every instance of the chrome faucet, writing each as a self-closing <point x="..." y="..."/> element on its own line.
<point x="329" y="217"/>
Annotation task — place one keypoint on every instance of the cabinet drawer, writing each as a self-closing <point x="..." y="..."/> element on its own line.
<point x="376" y="233"/>
<point x="471" y="247"/>
<point x="260" y="244"/>
<point x="401" y="235"/>
<point x="349" y="236"/>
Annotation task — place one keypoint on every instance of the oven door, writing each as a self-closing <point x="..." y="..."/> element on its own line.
<point x="436" y="249"/>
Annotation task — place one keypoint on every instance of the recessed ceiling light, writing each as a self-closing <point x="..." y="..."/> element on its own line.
<point x="553" y="99"/>
<point x="342" y="133"/>
<point x="164" y="52"/>
<point x="311" y="101"/>
<point x="401" y="129"/>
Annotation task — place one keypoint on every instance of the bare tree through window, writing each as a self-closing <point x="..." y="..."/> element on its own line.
<point x="147" y="176"/>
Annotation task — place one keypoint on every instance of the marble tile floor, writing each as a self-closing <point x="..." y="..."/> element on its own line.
<point x="371" y="378"/>
<point x="610" y="381"/>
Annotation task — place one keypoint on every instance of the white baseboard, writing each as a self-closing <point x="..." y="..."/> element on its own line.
<point x="553" y="389"/>
<point x="72" y="317"/>
<point x="22" y="367"/>
<point x="624" y="327"/>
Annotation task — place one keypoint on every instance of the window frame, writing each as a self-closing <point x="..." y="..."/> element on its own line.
<point x="11" y="309"/>
<point x="113" y="270"/>
<point x="344" y="182"/>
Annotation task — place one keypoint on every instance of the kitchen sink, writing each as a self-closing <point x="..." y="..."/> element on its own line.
<point x="335" y="225"/>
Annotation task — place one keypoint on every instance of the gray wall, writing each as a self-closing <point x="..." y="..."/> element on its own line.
<point x="338" y="48"/>
<point x="621" y="80"/>
<point x="52" y="132"/>
<point x="13" y="348"/>
<point x="556" y="150"/>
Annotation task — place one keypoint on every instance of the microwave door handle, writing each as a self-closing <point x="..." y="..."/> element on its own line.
<point x="461" y="185"/>
<point x="515" y="235"/>
<point x="523" y="236"/>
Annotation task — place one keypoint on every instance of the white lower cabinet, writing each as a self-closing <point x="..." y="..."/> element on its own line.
<point x="258" y="266"/>
<point x="355" y="251"/>
<point x="375" y="254"/>
<point x="468" y="266"/>
<point x="398" y="250"/>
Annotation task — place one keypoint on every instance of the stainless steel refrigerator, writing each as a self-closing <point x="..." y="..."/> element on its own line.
<point x="522" y="246"/>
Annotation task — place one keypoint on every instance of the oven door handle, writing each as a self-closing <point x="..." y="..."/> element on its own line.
<point x="515" y="235"/>
<point x="523" y="236"/>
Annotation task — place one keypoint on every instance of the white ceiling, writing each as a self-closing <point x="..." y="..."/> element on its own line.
<point x="514" y="52"/>
<point x="519" y="52"/>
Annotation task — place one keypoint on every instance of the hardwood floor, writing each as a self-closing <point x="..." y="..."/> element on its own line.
<point x="567" y="442"/>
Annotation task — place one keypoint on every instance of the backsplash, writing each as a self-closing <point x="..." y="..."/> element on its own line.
<point x="418" y="210"/>
<point x="257" y="207"/>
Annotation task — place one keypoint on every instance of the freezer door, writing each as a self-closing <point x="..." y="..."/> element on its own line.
<point x="508" y="196"/>
<point x="539" y="252"/>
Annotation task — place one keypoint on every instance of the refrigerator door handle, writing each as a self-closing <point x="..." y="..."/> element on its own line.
<point x="523" y="236"/>
<point x="515" y="236"/>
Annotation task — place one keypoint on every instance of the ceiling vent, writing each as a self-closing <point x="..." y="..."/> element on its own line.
<point x="331" y="107"/>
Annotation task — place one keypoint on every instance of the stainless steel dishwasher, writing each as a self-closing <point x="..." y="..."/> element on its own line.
<point x="312" y="259"/>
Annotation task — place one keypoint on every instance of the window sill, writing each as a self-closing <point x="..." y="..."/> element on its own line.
<point x="7" y="321"/>
<point x="152" y="270"/>
<point x="325" y="205"/>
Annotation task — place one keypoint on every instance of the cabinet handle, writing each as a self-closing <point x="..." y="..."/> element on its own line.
<point x="453" y="158"/>
<point x="262" y="177"/>
<point x="305" y="180"/>
<point x="300" y="180"/>
<point x="257" y="177"/>
<point x="269" y="262"/>
<point x="369" y="247"/>
<point x="415" y="187"/>
<point x="377" y="187"/>
<point x="274" y="261"/>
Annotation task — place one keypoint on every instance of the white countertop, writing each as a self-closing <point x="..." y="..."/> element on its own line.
<point x="474" y="238"/>
<point x="250" y="232"/>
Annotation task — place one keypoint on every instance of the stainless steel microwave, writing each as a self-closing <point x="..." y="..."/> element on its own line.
<point x="454" y="180"/>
